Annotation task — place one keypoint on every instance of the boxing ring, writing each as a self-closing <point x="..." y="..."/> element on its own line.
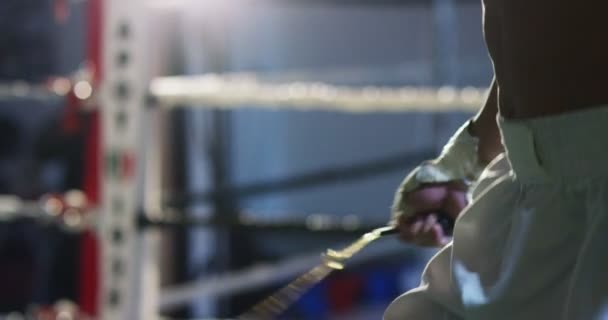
<point x="234" y="91"/>
<point x="130" y="109"/>
<point x="134" y="208"/>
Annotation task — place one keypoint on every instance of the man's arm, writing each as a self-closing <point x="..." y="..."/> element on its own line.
<point x="485" y="128"/>
<point x="419" y="202"/>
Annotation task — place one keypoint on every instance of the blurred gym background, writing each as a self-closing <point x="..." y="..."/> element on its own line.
<point x="355" y="161"/>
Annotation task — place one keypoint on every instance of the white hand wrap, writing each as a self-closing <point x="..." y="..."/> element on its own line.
<point x="458" y="161"/>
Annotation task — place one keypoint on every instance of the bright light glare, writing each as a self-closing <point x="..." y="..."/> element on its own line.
<point x="184" y="4"/>
<point x="83" y="90"/>
<point x="61" y="86"/>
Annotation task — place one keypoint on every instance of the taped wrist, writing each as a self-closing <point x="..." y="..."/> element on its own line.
<point x="458" y="161"/>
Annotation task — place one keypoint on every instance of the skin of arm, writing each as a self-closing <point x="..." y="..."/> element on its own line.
<point x="549" y="56"/>
<point x="485" y="127"/>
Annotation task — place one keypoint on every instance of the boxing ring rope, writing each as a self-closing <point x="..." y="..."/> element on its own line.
<point x="21" y="90"/>
<point x="74" y="219"/>
<point x="235" y="282"/>
<point x="229" y="91"/>
<point x="53" y="89"/>
<point x="49" y="211"/>
<point x="262" y="275"/>
<point x="319" y="177"/>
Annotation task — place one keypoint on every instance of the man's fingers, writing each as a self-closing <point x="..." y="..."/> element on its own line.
<point x="440" y="237"/>
<point x="433" y="236"/>
<point x="416" y="226"/>
<point x="410" y="230"/>
<point x="430" y="220"/>
<point x="423" y="230"/>
<point x="419" y="223"/>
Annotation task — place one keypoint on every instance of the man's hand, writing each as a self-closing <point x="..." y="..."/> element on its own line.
<point x="436" y="190"/>
<point x="428" y="205"/>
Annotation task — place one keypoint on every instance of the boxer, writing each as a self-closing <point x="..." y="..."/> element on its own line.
<point x="526" y="179"/>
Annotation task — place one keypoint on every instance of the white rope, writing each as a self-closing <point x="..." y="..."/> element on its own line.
<point x="238" y="90"/>
<point x="21" y="90"/>
<point x="262" y="275"/>
<point x="69" y="219"/>
<point x="74" y="219"/>
<point x="240" y="281"/>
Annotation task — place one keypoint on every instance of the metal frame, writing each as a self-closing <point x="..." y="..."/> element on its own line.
<point x="129" y="284"/>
